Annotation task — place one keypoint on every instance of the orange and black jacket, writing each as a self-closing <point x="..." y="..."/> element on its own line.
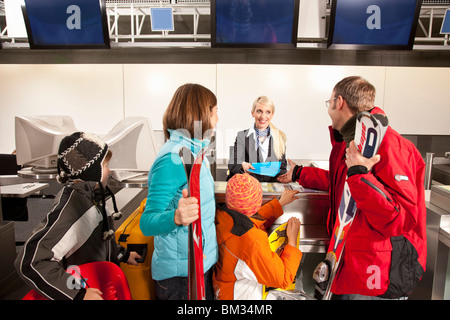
<point x="246" y="261"/>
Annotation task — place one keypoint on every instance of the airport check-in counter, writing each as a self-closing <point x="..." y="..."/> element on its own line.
<point x="128" y="194"/>
<point x="11" y="186"/>
<point x="7" y="251"/>
<point x="311" y="208"/>
<point x="435" y="284"/>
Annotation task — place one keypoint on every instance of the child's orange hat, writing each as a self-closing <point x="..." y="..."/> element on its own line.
<point x="243" y="194"/>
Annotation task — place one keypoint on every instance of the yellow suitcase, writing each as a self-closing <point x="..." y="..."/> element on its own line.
<point x="129" y="235"/>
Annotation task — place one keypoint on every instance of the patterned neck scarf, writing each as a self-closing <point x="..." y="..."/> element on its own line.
<point x="261" y="135"/>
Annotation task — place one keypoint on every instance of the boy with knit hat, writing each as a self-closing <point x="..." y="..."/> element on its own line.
<point x="246" y="261"/>
<point x="78" y="228"/>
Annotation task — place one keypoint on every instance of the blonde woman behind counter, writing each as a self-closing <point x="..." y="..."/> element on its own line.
<point x="263" y="142"/>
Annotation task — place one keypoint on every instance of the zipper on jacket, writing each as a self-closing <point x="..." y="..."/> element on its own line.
<point x="370" y="184"/>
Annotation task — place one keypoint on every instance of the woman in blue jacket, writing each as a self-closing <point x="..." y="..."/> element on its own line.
<point x="188" y="122"/>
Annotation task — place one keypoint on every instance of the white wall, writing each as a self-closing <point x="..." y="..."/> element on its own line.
<point x="91" y="94"/>
<point x="299" y="93"/>
<point x="149" y="88"/>
<point x="417" y="100"/>
<point x="97" y="96"/>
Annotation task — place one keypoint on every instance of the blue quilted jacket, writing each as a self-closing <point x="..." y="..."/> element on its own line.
<point x="166" y="180"/>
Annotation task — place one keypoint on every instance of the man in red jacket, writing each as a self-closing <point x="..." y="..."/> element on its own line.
<point x="385" y="251"/>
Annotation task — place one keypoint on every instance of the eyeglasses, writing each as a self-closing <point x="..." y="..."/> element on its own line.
<point x="327" y="103"/>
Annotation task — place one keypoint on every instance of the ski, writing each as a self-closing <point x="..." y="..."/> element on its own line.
<point x="196" y="281"/>
<point x="369" y="133"/>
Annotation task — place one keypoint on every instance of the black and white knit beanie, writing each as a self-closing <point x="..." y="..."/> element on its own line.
<point x="81" y="156"/>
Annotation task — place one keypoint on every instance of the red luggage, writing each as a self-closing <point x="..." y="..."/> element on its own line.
<point x="103" y="275"/>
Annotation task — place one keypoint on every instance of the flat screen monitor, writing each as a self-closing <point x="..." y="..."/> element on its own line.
<point x="375" y="24"/>
<point x="132" y="143"/>
<point x="66" y="24"/>
<point x="254" y="23"/>
<point x="445" y="27"/>
<point x="38" y="139"/>
<point x="162" y="19"/>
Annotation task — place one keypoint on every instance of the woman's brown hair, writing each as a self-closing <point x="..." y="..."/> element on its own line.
<point x="190" y="103"/>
